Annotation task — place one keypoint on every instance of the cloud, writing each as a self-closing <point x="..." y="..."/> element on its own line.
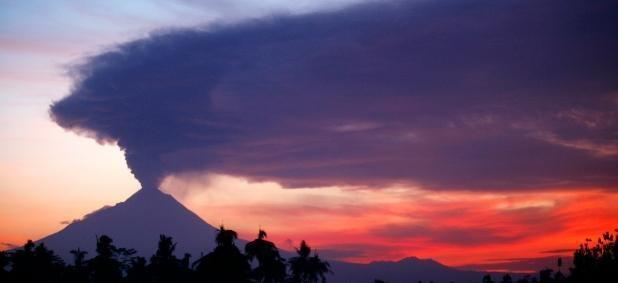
<point x="458" y="236"/>
<point x="67" y="222"/>
<point x="558" y="251"/>
<point x="345" y="251"/>
<point x="445" y="95"/>
<point x="610" y="149"/>
<point x="455" y="228"/>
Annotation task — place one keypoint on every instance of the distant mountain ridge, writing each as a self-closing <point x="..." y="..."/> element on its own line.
<point x="138" y="221"/>
<point x="411" y="269"/>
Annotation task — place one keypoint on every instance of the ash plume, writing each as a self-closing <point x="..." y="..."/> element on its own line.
<point x="475" y="95"/>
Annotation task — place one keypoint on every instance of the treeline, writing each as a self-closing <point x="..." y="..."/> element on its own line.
<point x="593" y="262"/>
<point x="260" y="262"/>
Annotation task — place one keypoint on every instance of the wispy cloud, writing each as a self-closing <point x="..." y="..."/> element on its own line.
<point x="607" y="149"/>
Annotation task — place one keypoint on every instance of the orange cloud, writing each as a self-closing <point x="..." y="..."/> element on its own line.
<point x="362" y="225"/>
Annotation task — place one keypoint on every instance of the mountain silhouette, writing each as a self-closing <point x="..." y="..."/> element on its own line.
<point x="411" y="269"/>
<point x="137" y="223"/>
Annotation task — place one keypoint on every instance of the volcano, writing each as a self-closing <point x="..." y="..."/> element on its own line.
<point x="137" y="223"/>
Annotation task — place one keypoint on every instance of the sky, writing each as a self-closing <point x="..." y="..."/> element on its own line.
<point x="375" y="131"/>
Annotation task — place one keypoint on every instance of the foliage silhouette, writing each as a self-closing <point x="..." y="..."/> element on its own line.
<point x="596" y="263"/>
<point x="164" y="266"/>
<point x="78" y="272"/>
<point x="137" y="271"/>
<point x="487" y="279"/>
<point x="271" y="266"/>
<point x="34" y="263"/>
<point x="507" y="278"/>
<point x="110" y="262"/>
<point x="226" y="263"/>
<point x="306" y="268"/>
<point x="4" y="262"/>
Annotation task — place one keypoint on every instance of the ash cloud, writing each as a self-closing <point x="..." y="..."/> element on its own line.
<point x="475" y="95"/>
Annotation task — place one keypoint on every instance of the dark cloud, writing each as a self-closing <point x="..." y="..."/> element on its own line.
<point x="446" y="94"/>
<point x="558" y="251"/>
<point x="346" y="251"/>
<point x="67" y="222"/>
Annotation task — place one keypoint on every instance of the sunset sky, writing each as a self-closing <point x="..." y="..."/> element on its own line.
<point x="478" y="133"/>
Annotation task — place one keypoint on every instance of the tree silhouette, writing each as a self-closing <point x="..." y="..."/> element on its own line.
<point x="107" y="266"/>
<point x="78" y="272"/>
<point x="35" y="263"/>
<point x="506" y="279"/>
<point x="598" y="263"/>
<point x="271" y="266"/>
<point x="225" y="263"/>
<point x="306" y="268"/>
<point x="487" y="279"/>
<point x="4" y="262"/>
<point x="186" y="273"/>
<point x="164" y="266"/>
<point x="78" y="257"/>
<point x="137" y="271"/>
<point x="545" y="276"/>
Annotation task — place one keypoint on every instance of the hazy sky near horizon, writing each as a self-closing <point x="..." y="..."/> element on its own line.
<point x="484" y="197"/>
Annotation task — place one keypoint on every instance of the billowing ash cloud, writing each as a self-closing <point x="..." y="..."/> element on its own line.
<point x="444" y="94"/>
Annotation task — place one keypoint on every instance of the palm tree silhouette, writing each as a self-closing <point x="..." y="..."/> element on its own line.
<point x="306" y="268"/>
<point x="35" y="263"/>
<point x="164" y="266"/>
<point x="271" y="266"/>
<point x="105" y="266"/>
<point x="78" y="257"/>
<point x="225" y="263"/>
<point x="78" y="272"/>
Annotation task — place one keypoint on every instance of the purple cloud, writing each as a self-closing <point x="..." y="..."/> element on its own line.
<point x="481" y="95"/>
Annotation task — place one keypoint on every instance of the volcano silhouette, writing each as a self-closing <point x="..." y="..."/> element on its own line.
<point x="137" y="223"/>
